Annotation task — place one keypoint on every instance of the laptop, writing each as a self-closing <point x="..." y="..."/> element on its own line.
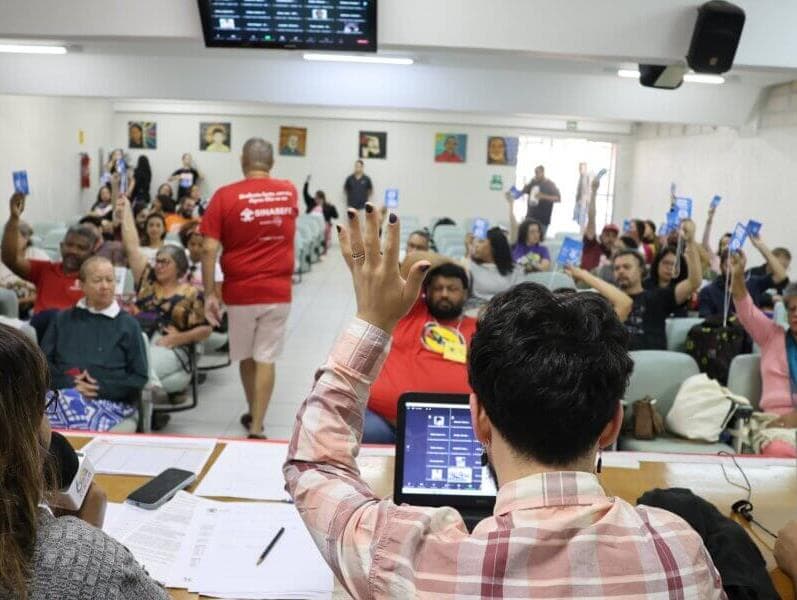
<point x="438" y="458"/>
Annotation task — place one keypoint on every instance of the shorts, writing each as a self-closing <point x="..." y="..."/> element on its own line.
<point x="257" y="331"/>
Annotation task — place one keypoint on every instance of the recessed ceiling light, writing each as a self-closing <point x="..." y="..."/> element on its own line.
<point x="31" y="49"/>
<point x="689" y="77"/>
<point x="350" y="58"/>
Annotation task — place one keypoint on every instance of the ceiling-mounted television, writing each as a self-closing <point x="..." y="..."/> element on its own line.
<point x="328" y="25"/>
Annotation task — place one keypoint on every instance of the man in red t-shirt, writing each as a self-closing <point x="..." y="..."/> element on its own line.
<point x="429" y="351"/>
<point x="57" y="283"/>
<point x="595" y="247"/>
<point x="254" y="222"/>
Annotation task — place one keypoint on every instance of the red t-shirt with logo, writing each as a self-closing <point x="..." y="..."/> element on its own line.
<point x="255" y="222"/>
<point x="54" y="288"/>
<point x="412" y="367"/>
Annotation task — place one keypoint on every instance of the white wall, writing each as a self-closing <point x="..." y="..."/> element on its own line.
<point x="41" y="135"/>
<point x="427" y="189"/>
<point x="754" y="171"/>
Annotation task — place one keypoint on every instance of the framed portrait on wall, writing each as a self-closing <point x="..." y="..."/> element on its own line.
<point x="142" y="135"/>
<point x="373" y="144"/>
<point x="502" y="150"/>
<point x="215" y="137"/>
<point x="451" y="148"/>
<point x="293" y="141"/>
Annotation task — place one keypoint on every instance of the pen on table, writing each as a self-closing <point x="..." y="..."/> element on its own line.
<point x="270" y="546"/>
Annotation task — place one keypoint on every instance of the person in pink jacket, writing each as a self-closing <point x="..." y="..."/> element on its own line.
<point x="778" y="354"/>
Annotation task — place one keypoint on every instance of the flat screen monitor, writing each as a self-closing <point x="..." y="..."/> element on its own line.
<point x="326" y="25"/>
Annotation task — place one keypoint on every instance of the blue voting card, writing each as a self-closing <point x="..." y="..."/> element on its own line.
<point x="753" y="228"/>
<point x="480" y="227"/>
<point x="627" y="226"/>
<point x="391" y="198"/>
<point x="515" y="193"/>
<point x="738" y="239"/>
<point x="672" y="221"/>
<point x="684" y="208"/>
<point x="570" y="253"/>
<point x="715" y="201"/>
<point x="21" y="182"/>
<point x="663" y="230"/>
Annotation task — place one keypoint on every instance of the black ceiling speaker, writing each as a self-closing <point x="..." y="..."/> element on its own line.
<point x="716" y="37"/>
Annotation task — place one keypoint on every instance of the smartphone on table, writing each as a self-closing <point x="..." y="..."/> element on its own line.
<point x="160" y="490"/>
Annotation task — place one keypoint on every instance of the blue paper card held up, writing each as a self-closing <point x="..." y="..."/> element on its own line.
<point x="515" y="193"/>
<point x="21" y="182"/>
<point x="715" y="201"/>
<point x="753" y="228"/>
<point x="480" y="227"/>
<point x="684" y="208"/>
<point x="738" y="239"/>
<point x="391" y="198"/>
<point x="570" y="253"/>
<point x="672" y="221"/>
<point x="663" y="229"/>
<point x="627" y="226"/>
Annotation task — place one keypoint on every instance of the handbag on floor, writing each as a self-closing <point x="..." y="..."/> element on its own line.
<point x="702" y="409"/>
<point x="647" y="421"/>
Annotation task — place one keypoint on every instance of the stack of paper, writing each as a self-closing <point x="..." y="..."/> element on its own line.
<point x="147" y="455"/>
<point x="212" y="548"/>
<point x="248" y="470"/>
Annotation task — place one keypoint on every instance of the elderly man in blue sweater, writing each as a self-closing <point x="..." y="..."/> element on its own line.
<point x="97" y="356"/>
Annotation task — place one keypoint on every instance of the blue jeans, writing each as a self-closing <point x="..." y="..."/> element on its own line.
<point x="377" y="430"/>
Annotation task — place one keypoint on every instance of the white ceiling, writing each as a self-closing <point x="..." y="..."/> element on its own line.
<point x="503" y="57"/>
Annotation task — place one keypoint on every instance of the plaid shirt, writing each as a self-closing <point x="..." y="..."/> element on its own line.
<point x="555" y="535"/>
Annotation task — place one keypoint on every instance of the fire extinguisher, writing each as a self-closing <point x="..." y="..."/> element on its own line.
<point x="85" y="177"/>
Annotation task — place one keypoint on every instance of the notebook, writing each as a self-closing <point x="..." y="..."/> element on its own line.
<point x="438" y="458"/>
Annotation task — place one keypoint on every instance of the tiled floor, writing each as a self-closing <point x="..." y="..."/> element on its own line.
<point x="322" y="304"/>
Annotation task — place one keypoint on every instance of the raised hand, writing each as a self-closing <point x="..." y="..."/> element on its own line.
<point x="383" y="296"/>
<point x="17" y="205"/>
<point x="738" y="262"/>
<point x="688" y="229"/>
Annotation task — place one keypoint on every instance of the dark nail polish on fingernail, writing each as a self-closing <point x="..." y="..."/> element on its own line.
<point x="339" y="228"/>
<point x="351" y="214"/>
<point x="393" y="218"/>
<point x="369" y="209"/>
<point x="425" y="268"/>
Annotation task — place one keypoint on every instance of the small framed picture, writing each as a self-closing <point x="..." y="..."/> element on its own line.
<point x="215" y="137"/>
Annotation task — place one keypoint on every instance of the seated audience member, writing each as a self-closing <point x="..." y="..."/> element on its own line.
<point x="418" y="241"/>
<point x="786" y="552"/>
<point x="110" y="249"/>
<point x="662" y="275"/>
<point x="164" y="199"/>
<point x="170" y="311"/>
<point x="528" y="251"/>
<point x="637" y="232"/>
<point x="184" y="214"/>
<point x="103" y="207"/>
<point x="533" y="365"/>
<point x="429" y="347"/>
<point x="605" y="269"/>
<point x="155" y="235"/>
<point x="490" y="267"/>
<point x="57" y="284"/>
<point x="595" y="247"/>
<point x="44" y="552"/>
<point x="646" y="323"/>
<point x="784" y="256"/>
<point x="96" y="355"/>
<point x="778" y="354"/>
<point x="192" y="240"/>
<point x="318" y="204"/>
<point x="712" y="297"/>
<point x="17" y="295"/>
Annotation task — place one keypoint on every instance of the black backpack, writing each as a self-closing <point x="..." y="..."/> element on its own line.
<point x="714" y="346"/>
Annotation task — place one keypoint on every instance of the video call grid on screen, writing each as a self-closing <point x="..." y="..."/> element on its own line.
<point x="441" y="453"/>
<point x="348" y="25"/>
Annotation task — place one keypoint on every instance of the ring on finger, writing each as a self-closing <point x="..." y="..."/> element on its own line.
<point x="357" y="255"/>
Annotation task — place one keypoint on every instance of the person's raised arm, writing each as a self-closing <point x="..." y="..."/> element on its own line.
<point x="130" y="240"/>
<point x="778" y="272"/>
<point x="707" y="231"/>
<point x="210" y="253"/>
<point x="685" y="289"/>
<point x="309" y="201"/>
<point x="622" y="302"/>
<point x="345" y="518"/>
<point x="760" y="327"/>
<point x="513" y="224"/>
<point x="590" y="232"/>
<point x="11" y="255"/>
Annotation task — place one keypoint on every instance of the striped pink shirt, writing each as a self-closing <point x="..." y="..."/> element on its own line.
<point x="555" y="535"/>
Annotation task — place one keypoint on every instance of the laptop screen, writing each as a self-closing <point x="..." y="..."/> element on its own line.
<point x="441" y="453"/>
